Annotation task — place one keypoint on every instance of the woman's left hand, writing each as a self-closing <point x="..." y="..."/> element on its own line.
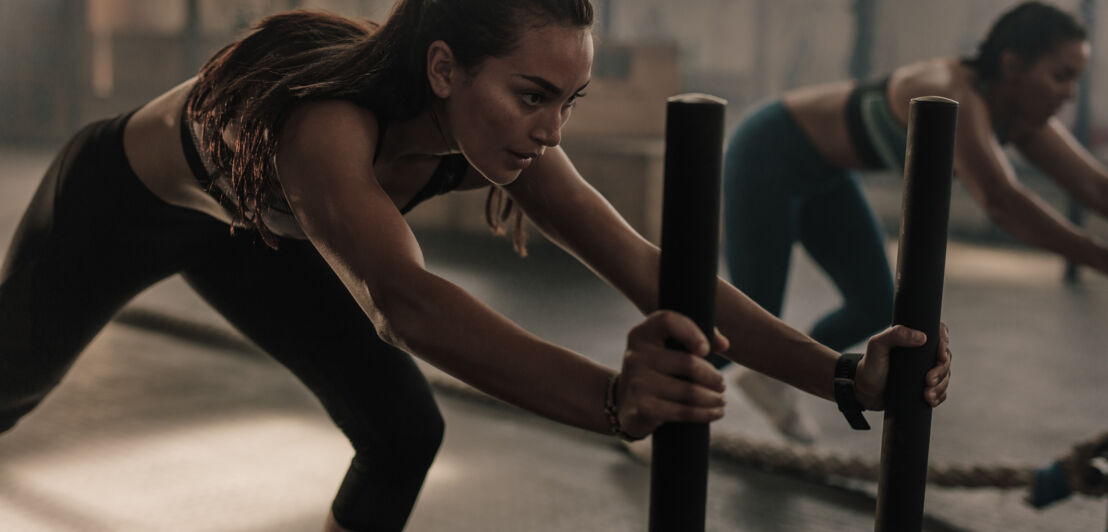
<point x="660" y="384"/>
<point x="873" y="370"/>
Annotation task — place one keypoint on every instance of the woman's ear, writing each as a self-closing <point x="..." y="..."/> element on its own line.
<point x="441" y="68"/>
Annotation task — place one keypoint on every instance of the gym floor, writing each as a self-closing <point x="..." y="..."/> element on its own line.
<point x="153" y="431"/>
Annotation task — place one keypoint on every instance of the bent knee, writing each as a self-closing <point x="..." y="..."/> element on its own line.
<point x="873" y="312"/>
<point x="870" y="318"/>
<point x="412" y="444"/>
<point x="424" y="438"/>
<point x="11" y="411"/>
<point x="6" y="424"/>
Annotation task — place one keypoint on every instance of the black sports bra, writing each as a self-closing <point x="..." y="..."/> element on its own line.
<point x="278" y="215"/>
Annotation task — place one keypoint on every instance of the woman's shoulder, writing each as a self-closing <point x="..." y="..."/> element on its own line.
<point x="331" y="126"/>
<point x="341" y="115"/>
<point x="933" y="77"/>
<point x="946" y="77"/>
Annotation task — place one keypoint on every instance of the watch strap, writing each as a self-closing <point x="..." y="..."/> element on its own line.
<point x="845" y="395"/>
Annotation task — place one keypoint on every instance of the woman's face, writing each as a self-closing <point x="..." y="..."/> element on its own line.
<point x="506" y="112"/>
<point x="1043" y="86"/>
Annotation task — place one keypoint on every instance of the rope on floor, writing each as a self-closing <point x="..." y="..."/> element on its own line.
<point x="1080" y="466"/>
<point x="1083" y="469"/>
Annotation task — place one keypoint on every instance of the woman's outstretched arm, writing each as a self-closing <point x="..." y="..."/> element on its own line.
<point x="573" y="214"/>
<point x="326" y="171"/>
<point x="1055" y="151"/>
<point x="984" y="169"/>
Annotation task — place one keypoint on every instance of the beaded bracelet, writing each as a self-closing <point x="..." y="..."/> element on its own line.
<point x="611" y="409"/>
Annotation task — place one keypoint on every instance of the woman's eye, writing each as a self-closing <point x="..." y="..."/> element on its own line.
<point x="571" y="102"/>
<point x="532" y="99"/>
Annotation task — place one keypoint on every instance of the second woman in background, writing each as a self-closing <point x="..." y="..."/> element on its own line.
<point x="790" y="175"/>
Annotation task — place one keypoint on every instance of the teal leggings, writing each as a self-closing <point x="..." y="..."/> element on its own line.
<point x="777" y="190"/>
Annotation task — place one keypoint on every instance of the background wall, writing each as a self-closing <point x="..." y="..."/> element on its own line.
<point x="65" y="62"/>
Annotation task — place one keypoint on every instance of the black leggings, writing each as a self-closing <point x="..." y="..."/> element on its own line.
<point x="94" y="237"/>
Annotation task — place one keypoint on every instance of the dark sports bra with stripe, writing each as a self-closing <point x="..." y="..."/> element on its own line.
<point x="877" y="136"/>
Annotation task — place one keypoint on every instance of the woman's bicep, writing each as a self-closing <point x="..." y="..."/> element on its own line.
<point x="325" y="166"/>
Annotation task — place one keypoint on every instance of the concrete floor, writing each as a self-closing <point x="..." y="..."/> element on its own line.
<point x="151" y="431"/>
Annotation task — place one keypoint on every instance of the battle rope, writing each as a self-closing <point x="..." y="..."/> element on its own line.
<point x="1084" y="469"/>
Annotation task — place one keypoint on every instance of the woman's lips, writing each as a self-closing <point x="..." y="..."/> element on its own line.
<point x="521" y="160"/>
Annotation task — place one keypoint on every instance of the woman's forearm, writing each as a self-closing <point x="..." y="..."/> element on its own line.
<point x="444" y="325"/>
<point x="1029" y="219"/>
<point x="759" y="340"/>
<point x="764" y="343"/>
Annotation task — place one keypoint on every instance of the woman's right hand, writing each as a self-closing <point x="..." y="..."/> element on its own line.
<point x="659" y="385"/>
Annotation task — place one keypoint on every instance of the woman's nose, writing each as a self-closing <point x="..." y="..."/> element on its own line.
<point x="548" y="131"/>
